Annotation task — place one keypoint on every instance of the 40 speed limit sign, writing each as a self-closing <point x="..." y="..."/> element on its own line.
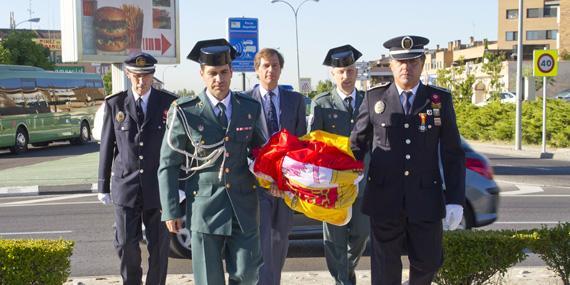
<point x="545" y="62"/>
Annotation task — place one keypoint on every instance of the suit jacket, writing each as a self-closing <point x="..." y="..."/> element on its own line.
<point x="212" y="202"/>
<point x="329" y="114"/>
<point x="292" y="111"/>
<point x="404" y="170"/>
<point x="129" y="151"/>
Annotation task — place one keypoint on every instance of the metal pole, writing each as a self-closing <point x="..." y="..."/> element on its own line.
<point x="297" y="40"/>
<point x="518" y="118"/>
<point x="243" y="80"/>
<point x="544" y="114"/>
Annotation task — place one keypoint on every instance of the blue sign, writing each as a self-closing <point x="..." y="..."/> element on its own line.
<point x="243" y="35"/>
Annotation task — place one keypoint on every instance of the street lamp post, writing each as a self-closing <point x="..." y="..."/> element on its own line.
<point x="164" y="70"/>
<point x="295" y="13"/>
<point x="32" y="20"/>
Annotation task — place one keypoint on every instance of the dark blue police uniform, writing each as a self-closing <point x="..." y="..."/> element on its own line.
<point x="128" y="164"/>
<point x="404" y="196"/>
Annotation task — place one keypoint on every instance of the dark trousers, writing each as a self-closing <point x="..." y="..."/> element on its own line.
<point x="274" y="226"/>
<point x="423" y="241"/>
<point x="344" y="245"/>
<point x="128" y="233"/>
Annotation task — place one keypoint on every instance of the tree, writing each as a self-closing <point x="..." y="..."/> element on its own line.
<point x="24" y="51"/>
<point x="322" y="86"/>
<point x="108" y="82"/>
<point x="492" y="66"/>
<point x="452" y="78"/>
<point x="185" y="92"/>
<point x="443" y="78"/>
<point x="4" y="55"/>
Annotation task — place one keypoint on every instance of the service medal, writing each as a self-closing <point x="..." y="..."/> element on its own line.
<point x="120" y="116"/>
<point x="436" y="112"/>
<point x="437" y="121"/>
<point x="423" y="119"/>
<point x="379" y="107"/>
<point x="429" y="112"/>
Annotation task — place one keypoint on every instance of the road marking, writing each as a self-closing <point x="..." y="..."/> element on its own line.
<point x="523" y="190"/>
<point x="35" y="233"/>
<point x="540" y="196"/>
<point x="62" y="197"/>
<point x="531" y="184"/>
<point x="49" y="204"/>
<point x="19" y="190"/>
<point x="503" y="165"/>
<point x="527" y="223"/>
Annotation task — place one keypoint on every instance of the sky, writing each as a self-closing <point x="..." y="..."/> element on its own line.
<point x="365" y="24"/>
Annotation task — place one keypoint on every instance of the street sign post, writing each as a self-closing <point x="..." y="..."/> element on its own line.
<point x="243" y="34"/>
<point x="305" y="84"/>
<point x="545" y="64"/>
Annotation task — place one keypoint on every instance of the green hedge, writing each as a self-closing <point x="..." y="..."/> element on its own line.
<point x="31" y="262"/>
<point x="474" y="257"/>
<point x="496" y="122"/>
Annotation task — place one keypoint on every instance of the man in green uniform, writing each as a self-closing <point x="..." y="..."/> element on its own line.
<point x="335" y="112"/>
<point x="209" y="137"/>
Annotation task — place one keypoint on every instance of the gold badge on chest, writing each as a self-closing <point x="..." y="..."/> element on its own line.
<point x="120" y="116"/>
<point x="379" y="107"/>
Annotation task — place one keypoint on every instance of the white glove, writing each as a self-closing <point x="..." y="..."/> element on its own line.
<point x="453" y="216"/>
<point x="105" y="198"/>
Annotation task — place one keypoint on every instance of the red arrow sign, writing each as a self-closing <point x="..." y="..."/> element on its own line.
<point x="165" y="43"/>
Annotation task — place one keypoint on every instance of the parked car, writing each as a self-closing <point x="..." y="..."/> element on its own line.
<point x="508" y="97"/>
<point x="563" y="95"/>
<point x="482" y="203"/>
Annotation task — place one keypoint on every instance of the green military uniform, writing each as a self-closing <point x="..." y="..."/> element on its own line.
<point x="344" y="245"/>
<point x="222" y="204"/>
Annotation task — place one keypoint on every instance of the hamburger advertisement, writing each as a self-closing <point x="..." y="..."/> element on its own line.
<point x="106" y="31"/>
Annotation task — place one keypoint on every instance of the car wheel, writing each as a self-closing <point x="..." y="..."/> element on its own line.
<point x="180" y="243"/>
<point x="21" y="143"/>
<point x="84" y="134"/>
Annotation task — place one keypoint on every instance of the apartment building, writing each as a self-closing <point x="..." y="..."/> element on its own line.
<point x="546" y="23"/>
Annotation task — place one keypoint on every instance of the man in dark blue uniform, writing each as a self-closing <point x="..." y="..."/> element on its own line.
<point x="334" y="111"/>
<point x="282" y="109"/>
<point x="407" y="127"/>
<point x="133" y="127"/>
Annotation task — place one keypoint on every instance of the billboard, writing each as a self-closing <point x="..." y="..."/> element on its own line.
<point x="107" y="31"/>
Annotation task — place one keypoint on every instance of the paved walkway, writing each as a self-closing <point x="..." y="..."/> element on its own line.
<point x="515" y="276"/>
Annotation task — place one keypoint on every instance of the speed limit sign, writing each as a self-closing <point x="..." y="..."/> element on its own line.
<point x="545" y="62"/>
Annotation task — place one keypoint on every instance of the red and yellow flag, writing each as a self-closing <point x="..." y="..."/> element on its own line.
<point x="317" y="173"/>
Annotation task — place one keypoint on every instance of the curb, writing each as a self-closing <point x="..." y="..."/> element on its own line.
<point x="36" y="190"/>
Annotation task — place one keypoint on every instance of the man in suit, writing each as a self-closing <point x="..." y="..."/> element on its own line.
<point x="282" y="109"/>
<point x="209" y="137"/>
<point x="408" y="126"/>
<point x="334" y="111"/>
<point x="133" y="125"/>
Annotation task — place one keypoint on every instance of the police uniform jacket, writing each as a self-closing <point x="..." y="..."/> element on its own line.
<point x="329" y="114"/>
<point x="129" y="152"/>
<point x="213" y="202"/>
<point x="404" y="173"/>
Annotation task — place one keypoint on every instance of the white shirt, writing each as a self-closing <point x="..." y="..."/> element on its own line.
<point x="144" y="97"/>
<point x="227" y="102"/>
<point x="403" y="97"/>
<point x="267" y="106"/>
<point x="343" y="96"/>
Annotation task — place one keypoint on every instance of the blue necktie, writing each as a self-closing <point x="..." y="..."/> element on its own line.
<point x="140" y="112"/>
<point x="348" y="102"/>
<point x="222" y="118"/>
<point x="407" y="103"/>
<point x="272" y="123"/>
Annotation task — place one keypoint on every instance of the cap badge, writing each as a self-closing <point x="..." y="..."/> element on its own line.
<point x="140" y="61"/>
<point x="407" y="42"/>
<point x="120" y="116"/>
<point x="379" y="107"/>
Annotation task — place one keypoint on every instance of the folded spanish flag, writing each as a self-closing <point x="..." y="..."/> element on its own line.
<point x="317" y="173"/>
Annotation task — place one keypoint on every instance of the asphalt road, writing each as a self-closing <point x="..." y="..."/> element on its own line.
<point x="35" y="155"/>
<point x="537" y="188"/>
